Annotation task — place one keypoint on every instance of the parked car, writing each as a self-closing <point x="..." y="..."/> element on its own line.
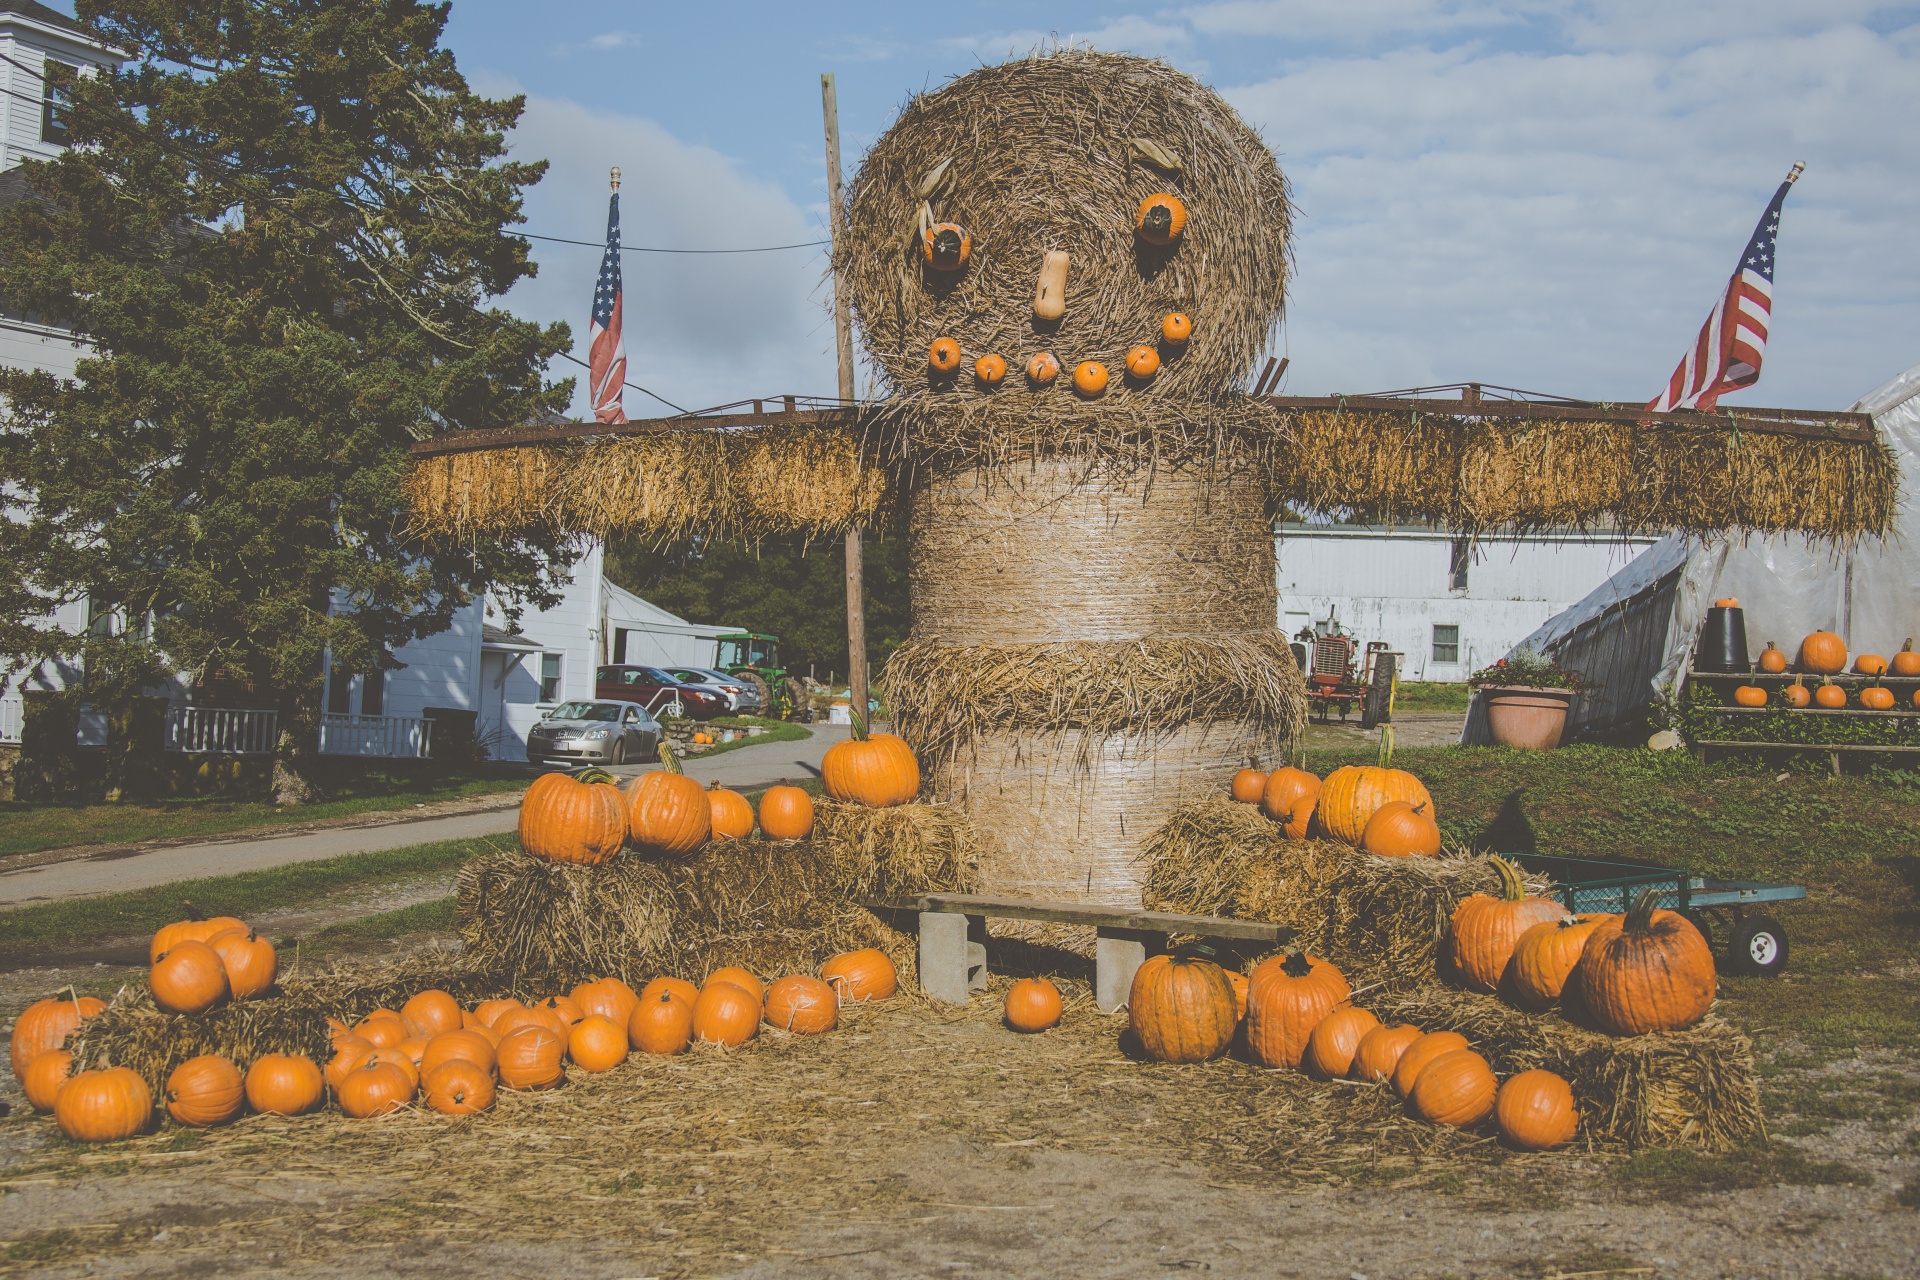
<point x="744" y="697"/>
<point x="645" y="685"/>
<point x="597" y="732"/>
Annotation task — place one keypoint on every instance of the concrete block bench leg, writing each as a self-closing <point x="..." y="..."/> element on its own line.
<point x="951" y="962"/>
<point x="1117" y="954"/>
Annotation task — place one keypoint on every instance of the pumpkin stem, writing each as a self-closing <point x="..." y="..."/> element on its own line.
<point x="1296" y="965"/>
<point x="1386" y="745"/>
<point x="1640" y="918"/>
<point x="595" y="775"/>
<point x="858" y="715"/>
<point x="668" y="760"/>
<point x="193" y="912"/>
<point x="1512" y="889"/>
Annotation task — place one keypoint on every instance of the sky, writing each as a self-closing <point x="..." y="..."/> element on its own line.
<point x="1539" y="195"/>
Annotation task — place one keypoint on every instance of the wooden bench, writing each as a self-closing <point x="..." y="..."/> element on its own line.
<point x="953" y="952"/>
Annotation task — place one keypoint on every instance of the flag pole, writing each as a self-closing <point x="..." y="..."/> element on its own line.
<point x="1793" y="174"/>
<point x="843" y="343"/>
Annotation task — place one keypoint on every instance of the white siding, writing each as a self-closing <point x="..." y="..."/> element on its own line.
<point x="26" y="44"/>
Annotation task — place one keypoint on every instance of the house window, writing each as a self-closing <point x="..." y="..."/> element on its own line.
<point x="1446" y="642"/>
<point x="340" y="692"/>
<point x="373" y="693"/>
<point x="1457" y="565"/>
<point x="549" y="677"/>
<point x="53" y="107"/>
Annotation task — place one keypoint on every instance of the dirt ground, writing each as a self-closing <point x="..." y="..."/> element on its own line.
<point x="925" y="1140"/>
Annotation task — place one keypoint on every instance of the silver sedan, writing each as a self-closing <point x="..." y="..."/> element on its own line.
<point x="584" y="733"/>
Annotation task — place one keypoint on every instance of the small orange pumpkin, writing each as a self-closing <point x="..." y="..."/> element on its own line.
<point x="1176" y="328"/>
<point x="991" y="370"/>
<point x="398" y="1058"/>
<point x="458" y="1088"/>
<point x="1906" y="662"/>
<point x="1335" y="1041"/>
<point x="195" y="930"/>
<point x="1535" y="1110"/>
<point x="548" y="1020"/>
<point x="103" y="1106"/>
<point x="1455" y="1089"/>
<point x="249" y="960"/>
<point x="1160" y="219"/>
<point x="573" y="819"/>
<point x="1142" y="363"/>
<point x="1750" y="695"/>
<point x="1876" y="698"/>
<point x="1416" y="1056"/>
<point x="866" y="974"/>
<point x="1772" y="661"/>
<point x="877" y="770"/>
<point x="944" y="355"/>
<point x="206" y="1090"/>
<point x="1726" y="602"/>
<point x="1398" y="829"/>
<point x="1797" y="694"/>
<point x="662" y="1022"/>
<point x="350" y="1053"/>
<point x="1830" y="696"/>
<point x="1544" y="957"/>
<point x="725" y="1015"/>
<point x="1378" y="1052"/>
<point x="188" y="979"/>
<point x="375" y="1090"/>
<point x="285" y="1084"/>
<point x="1248" y="786"/>
<point x="945" y="246"/>
<point x="803" y="1005"/>
<point x="1484" y="929"/>
<point x="745" y="979"/>
<point x="464" y="1045"/>
<point x="429" y="1013"/>
<point x="382" y="1028"/>
<point x="1090" y="378"/>
<point x="597" y="1043"/>
<point x="1870" y="664"/>
<point x="728" y="813"/>
<point x="667" y="812"/>
<point x="1823" y="653"/>
<point x="531" y="1058"/>
<point x="1042" y="369"/>
<point x="611" y="998"/>
<point x="566" y="1007"/>
<point x="44" y="1077"/>
<point x="679" y="988"/>
<point x="1290" y="799"/>
<point x="1033" y="1004"/>
<point x="786" y="813"/>
<point x="45" y="1025"/>
<point x="489" y="1011"/>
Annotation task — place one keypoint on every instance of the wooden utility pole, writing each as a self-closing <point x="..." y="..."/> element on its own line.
<point x="843" y="341"/>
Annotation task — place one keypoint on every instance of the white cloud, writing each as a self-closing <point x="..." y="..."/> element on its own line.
<point x="614" y="40"/>
<point x="1128" y="34"/>
<point x="1346" y="21"/>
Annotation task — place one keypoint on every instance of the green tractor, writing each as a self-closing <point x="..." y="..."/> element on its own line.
<point x="755" y="660"/>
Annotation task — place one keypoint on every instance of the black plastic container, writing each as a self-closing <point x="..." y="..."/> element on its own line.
<point x="1723" y="643"/>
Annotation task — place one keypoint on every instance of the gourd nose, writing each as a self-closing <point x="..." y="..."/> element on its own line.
<point x="946" y="249"/>
<point x="1159" y="220"/>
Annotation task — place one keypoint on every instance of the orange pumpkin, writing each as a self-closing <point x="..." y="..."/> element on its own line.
<point x="1726" y="602"/>
<point x="611" y="998"/>
<point x="458" y="1088"/>
<point x="1823" y="653"/>
<point x="45" y="1025"/>
<point x="250" y="962"/>
<point x="1378" y="1052"/>
<point x="1090" y="378"/>
<point x="877" y="770"/>
<point x="531" y="1058"/>
<point x="44" y="1077"/>
<point x="944" y="355"/>
<point x="1160" y="218"/>
<point x="103" y="1106"/>
<point x="429" y="1013"/>
<point x="1033" y="1004"/>
<point x="725" y="1015"/>
<point x="1906" y="662"/>
<point x="1416" y="1056"/>
<point x="489" y="1011"/>
<point x="206" y="1090"/>
<point x="350" y="1053"/>
<point x="1830" y="696"/>
<point x="991" y="370"/>
<point x="566" y="1007"/>
<point x="285" y="1084"/>
<point x="383" y="1028"/>
<point x="397" y="1058"/>
<point x="786" y="813"/>
<point x="1289" y="799"/>
<point x="1238" y="981"/>
<point x="1797" y="694"/>
<point x="188" y="979"/>
<point x="1181" y="1008"/>
<point x="1455" y="1089"/>
<point x="662" y="1022"/>
<point x="1175" y="328"/>
<point x="728" y="813"/>
<point x="1750" y="695"/>
<point x="945" y="246"/>
<point x="1544" y="957"/>
<point x="1287" y="996"/>
<point x="1248" y="786"/>
<point x="1876" y="698"/>
<point x="1142" y="363"/>
<point x="866" y="974"/>
<point x="1335" y="1041"/>
<point x="801" y="1004"/>
<point x="1485" y="930"/>
<point x="1772" y="661"/>
<point x="1870" y="664"/>
<point x="597" y="1043"/>
<point x="169" y="935"/>
<point x="679" y="988"/>
<point x="415" y="1048"/>
<point x="375" y="1090"/>
<point x="1401" y="830"/>
<point x="1352" y="795"/>
<point x="744" y="979"/>
<point x="667" y="812"/>
<point x="1648" y="971"/>
<point x="580" y="820"/>
<point x="545" y="1019"/>
<point x="463" y="1045"/>
<point x="1042" y="369"/>
<point x="1535" y="1110"/>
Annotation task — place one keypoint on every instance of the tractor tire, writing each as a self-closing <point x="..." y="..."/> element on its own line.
<point x="759" y="682"/>
<point x="1376" y="708"/>
<point x="798" y="709"/>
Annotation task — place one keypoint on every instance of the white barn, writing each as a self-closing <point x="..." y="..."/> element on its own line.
<point x="1448" y="603"/>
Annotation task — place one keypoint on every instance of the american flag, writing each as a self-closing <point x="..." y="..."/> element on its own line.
<point x="607" y="354"/>
<point x="1726" y="356"/>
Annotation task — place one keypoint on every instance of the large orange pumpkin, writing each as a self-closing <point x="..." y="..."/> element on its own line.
<point x="1535" y="1110"/>
<point x="285" y="1084"/>
<point x="1456" y="1088"/>
<point x="744" y="979"/>
<point x="384" y="1029"/>
<point x="566" y="819"/>
<point x="1352" y="795"/>
<point x="103" y="1106"/>
<point x="566" y="1006"/>
<point x="1289" y="798"/>
<point x="1181" y="1008"/>
<point x="611" y="998"/>
<point x="429" y="1013"/>
<point x="667" y="812"/>
<point x="44" y="1077"/>
<point x="489" y="1011"/>
<point x="786" y="813"/>
<point x="1286" y="998"/>
<point x="877" y="770"/>
<point x="729" y="813"/>
<point x="1334" y="1042"/>
<point x="597" y="1043"/>
<point x="196" y="930"/>
<point x="458" y="1088"/>
<point x="250" y="962"/>
<point x="531" y="1058"/>
<point x="188" y="979"/>
<point x="464" y="1045"/>
<point x="206" y="1090"/>
<point x="1398" y="829"/>
<point x="662" y="1022"/>
<point x="1651" y="971"/>
<point x="398" y="1058"/>
<point x="679" y="988"/>
<point x="1379" y="1052"/>
<point x="803" y="1005"/>
<point x="1238" y="981"/>
<point x="725" y="1015"/>
<point x="548" y="1020"/>
<point x="1416" y="1056"/>
<point x="866" y="974"/>
<point x="1485" y="929"/>
<point x="375" y="1090"/>
<point x="1544" y="957"/>
<point x="46" y="1024"/>
<point x="1823" y="653"/>
<point x="1033" y="1004"/>
<point x="1247" y="786"/>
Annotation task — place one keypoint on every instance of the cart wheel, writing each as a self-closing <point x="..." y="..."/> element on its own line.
<point x="1698" y="919"/>
<point x="1758" y="947"/>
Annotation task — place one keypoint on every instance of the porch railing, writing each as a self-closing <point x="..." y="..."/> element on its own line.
<point x="234" y="731"/>
<point x="405" y="737"/>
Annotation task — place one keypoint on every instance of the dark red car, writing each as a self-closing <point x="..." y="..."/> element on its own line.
<point x="655" y="689"/>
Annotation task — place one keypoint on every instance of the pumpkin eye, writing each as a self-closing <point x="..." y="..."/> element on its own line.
<point x="945" y="246"/>
<point x="1160" y="218"/>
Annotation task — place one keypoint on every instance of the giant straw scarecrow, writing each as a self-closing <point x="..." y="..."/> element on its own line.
<point x="1063" y="267"/>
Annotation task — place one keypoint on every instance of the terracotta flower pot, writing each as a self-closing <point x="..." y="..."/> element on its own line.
<point x="1525" y="718"/>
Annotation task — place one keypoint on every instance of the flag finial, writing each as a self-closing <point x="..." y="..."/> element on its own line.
<point x="1793" y="174"/>
<point x="614" y="179"/>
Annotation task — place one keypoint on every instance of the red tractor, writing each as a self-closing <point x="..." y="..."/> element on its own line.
<point x="1336" y="680"/>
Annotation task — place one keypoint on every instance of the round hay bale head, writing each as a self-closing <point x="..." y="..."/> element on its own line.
<point x="1052" y="154"/>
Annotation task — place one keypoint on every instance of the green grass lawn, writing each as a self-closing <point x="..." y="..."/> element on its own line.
<point x="777" y="731"/>
<point x="1425" y="695"/>
<point x="31" y="828"/>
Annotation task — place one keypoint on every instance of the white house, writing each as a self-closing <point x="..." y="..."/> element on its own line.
<point x="1448" y="603"/>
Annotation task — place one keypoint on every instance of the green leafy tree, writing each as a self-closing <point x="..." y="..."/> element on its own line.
<point x="277" y="230"/>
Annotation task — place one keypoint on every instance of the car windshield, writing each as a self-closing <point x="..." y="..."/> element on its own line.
<point x="587" y="711"/>
<point x="690" y="677"/>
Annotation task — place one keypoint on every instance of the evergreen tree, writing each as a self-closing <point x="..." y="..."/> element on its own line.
<point x="277" y="230"/>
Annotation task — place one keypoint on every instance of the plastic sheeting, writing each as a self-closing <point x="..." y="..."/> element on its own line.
<point x="1632" y="638"/>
